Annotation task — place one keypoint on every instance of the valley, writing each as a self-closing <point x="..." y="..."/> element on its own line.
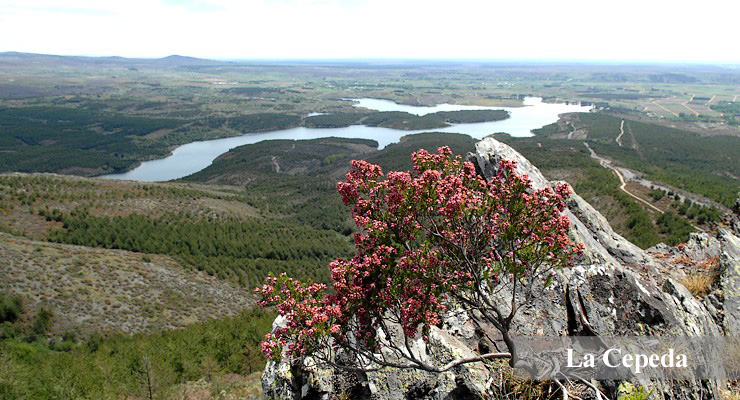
<point x="109" y="276"/>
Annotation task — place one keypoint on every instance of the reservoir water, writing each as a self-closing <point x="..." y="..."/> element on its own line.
<point x="193" y="157"/>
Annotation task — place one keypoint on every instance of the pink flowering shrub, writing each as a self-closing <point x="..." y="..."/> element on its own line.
<point x="438" y="236"/>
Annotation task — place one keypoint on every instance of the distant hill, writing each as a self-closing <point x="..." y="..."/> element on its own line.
<point x="12" y="57"/>
<point x="184" y="60"/>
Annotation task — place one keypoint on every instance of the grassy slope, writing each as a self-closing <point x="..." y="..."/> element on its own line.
<point x="209" y="228"/>
<point x="99" y="290"/>
<point x="219" y="354"/>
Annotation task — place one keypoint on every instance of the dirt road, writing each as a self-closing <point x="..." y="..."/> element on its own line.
<point x="686" y="106"/>
<point x="623" y="184"/>
<point x="621" y="133"/>
<point x="656" y="103"/>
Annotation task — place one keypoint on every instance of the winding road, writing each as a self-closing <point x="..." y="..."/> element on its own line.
<point x="623" y="184"/>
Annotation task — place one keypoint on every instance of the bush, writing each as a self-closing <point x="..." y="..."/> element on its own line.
<point x="10" y="308"/>
<point x="41" y="323"/>
<point x="657" y="194"/>
<point x="442" y="234"/>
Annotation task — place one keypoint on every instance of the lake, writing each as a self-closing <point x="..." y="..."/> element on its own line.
<point x="193" y="157"/>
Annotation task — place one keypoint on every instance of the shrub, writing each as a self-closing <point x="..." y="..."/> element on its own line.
<point x="439" y="235"/>
<point x="10" y="308"/>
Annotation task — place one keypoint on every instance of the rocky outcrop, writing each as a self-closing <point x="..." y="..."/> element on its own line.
<point x="729" y="282"/>
<point x="616" y="289"/>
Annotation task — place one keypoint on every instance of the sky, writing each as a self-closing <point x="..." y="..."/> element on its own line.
<point x="624" y="30"/>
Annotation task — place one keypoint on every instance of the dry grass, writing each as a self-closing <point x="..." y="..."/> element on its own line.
<point x="506" y="384"/>
<point x="730" y="395"/>
<point x="704" y="275"/>
<point x="91" y="289"/>
<point x="699" y="284"/>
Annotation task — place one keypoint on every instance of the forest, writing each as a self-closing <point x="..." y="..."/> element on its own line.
<point x="35" y="139"/>
<point x="676" y="157"/>
<point x="242" y="251"/>
<point x="34" y="365"/>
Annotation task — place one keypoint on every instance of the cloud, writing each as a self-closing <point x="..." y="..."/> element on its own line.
<point x="195" y="5"/>
<point x="579" y="29"/>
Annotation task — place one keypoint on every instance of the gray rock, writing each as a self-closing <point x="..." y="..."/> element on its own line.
<point x="660" y="248"/>
<point x="701" y="246"/>
<point x="730" y="281"/>
<point x="614" y="244"/>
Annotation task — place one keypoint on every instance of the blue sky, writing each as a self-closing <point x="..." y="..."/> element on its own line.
<point x="648" y="30"/>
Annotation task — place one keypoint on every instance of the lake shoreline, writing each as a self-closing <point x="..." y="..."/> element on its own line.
<point x="192" y="157"/>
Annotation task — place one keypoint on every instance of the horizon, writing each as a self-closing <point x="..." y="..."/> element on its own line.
<point x="380" y="60"/>
<point x="632" y="31"/>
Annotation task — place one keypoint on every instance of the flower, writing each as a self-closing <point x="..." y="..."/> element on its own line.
<point x="427" y="236"/>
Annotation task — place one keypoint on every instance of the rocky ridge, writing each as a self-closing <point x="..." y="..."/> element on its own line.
<point x="616" y="289"/>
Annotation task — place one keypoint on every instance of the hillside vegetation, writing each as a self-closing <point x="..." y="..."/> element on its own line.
<point x="662" y="154"/>
<point x="570" y="161"/>
<point x="97" y="290"/>
<point x="220" y="353"/>
<point x="706" y="165"/>
<point x="206" y="228"/>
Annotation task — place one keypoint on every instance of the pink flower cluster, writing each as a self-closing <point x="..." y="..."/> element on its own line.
<point x="307" y="315"/>
<point x="424" y="236"/>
